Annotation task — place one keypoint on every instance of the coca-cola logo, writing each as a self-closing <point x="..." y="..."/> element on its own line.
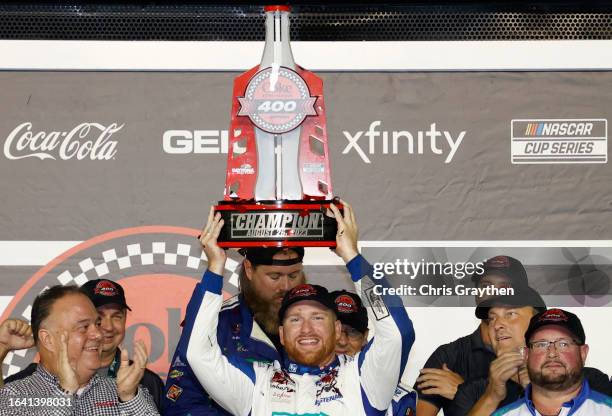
<point x="85" y="141"/>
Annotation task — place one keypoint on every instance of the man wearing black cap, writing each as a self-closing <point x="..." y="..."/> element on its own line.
<point x="311" y="378"/>
<point x="354" y="319"/>
<point x="555" y="359"/>
<point x="108" y="298"/>
<point x="508" y="318"/>
<point x="248" y="324"/>
<point x="468" y="357"/>
<point x="354" y="337"/>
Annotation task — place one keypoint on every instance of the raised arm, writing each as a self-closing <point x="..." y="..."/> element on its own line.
<point x="382" y="362"/>
<point x="15" y="334"/>
<point x="229" y="383"/>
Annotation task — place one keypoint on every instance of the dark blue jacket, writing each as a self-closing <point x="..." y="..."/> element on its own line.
<point x="238" y="336"/>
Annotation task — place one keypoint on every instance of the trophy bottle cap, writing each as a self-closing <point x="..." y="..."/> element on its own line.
<point x="277" y="8"/>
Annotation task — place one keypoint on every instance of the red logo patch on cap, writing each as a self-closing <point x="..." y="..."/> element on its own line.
<point x="345" y="304"/>
<point x="554" y="315"/>
<point x="303" y="291"/>
<point x="106" y="288"/>
<point x="498" y="262"/>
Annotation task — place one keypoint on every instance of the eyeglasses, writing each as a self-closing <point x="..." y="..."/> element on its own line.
<point x="561" y="345"/>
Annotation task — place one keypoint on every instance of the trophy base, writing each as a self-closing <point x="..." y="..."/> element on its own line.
<point x="277" y="224"/>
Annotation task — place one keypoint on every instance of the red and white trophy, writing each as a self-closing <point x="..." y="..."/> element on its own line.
<point x="278" y="181"/>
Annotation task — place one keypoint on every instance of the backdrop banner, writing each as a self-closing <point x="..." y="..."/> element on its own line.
<point x="110" y="174"/>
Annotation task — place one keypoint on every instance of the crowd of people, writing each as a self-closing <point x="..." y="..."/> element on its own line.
<point x="284" y="346"/>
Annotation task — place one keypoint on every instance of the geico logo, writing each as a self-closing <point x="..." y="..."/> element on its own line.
<point x="179" y="142"/>
<point x="396" y="142"/>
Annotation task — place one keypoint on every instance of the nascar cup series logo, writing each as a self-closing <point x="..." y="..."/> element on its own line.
<point x="559" y="141"/>
<point x="277" y="224"/>
<point x="277" y="100"/>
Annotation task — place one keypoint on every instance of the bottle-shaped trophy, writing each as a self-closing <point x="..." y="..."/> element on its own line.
<point x="277" y="185"/>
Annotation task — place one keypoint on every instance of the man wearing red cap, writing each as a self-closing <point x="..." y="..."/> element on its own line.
<point x="109" y="300"/>
<point x="66" y="332"/>
<point x="311" y="379"/>
<point x="247" y="328"/>
<point x="555" y="359"/>
<point x="354" y="337"/>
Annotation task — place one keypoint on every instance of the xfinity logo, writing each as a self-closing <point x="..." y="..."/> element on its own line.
<point x="85" y="141"/>
<point x="373" y="141"/>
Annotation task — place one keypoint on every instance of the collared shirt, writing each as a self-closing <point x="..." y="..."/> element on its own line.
<point x="40" y="394"/>
<point x="471" y="391"/>
<point x="586" y="403"/>
<point x="150" y="380"/>
<point x="467" y="356"/>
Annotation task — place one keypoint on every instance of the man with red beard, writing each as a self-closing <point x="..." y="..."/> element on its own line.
<point x="311" y="379"/>
<point x="555" y="359"/>
<point x="248" y="324"/>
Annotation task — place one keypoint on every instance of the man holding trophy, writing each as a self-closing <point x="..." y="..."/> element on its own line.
<point x="311" y="378"/>
<point x="272" y="349"/>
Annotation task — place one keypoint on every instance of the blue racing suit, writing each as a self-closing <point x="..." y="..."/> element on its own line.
<point x="363" y="385"/>
<point x="404" y="402"/>
<point x="586" y="403"/>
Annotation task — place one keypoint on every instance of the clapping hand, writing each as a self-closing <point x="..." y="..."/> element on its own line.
<point x="130" y="372"/>
<point x="210" y="233"/>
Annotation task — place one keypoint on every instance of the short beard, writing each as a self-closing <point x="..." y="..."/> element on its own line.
<point x="559" y="382"/>
<point x="312" y="359"/>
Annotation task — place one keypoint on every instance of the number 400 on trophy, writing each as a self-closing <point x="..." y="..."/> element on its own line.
<point x="278" y="181"/>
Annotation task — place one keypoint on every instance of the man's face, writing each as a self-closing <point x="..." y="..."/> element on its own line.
<point x="350" y="341"/>
<point x="498" y="281"/>
<point x="76" y="315"/>
<point x="112" y="326"/>
<point x="267" y="287"/>
<point x="507" y="327"/>
<point x="556" y="368"/>
<point x="309" y="333"/>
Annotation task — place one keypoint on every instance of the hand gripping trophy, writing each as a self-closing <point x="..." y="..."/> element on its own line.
<point x="277" y="183"/>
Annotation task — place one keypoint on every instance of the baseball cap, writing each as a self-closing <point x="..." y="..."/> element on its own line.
<point x="505" y="266"/>
<point x="306" y="292"/>
<point x="264" y="255"/>
<point x="104" y="292"/>
<point x="350" y="310"/>
<point x="557" y="317"/>
<point x="523" y="296"/>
